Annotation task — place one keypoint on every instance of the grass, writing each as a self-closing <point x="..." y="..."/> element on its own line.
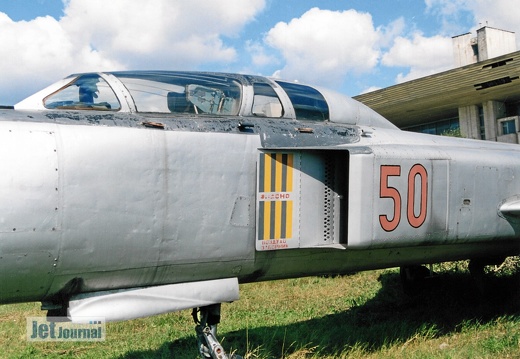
<point x="364" y="315"/>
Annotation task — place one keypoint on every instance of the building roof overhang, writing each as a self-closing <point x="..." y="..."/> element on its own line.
<point x="439" y="96"/>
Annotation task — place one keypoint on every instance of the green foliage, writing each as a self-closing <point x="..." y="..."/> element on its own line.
<point x="452" y="132"/>
<point x="365" y="315"/>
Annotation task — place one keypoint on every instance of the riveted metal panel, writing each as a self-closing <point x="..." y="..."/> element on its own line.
<point x="29" y="177"/>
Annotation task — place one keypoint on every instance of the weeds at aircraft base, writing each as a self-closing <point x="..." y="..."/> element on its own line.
<point x="364" y="315"/>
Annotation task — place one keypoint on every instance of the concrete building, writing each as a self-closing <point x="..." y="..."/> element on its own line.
<point x="481" y="96"/>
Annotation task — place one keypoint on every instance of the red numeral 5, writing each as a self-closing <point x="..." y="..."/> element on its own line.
<point x="385" y="191"/>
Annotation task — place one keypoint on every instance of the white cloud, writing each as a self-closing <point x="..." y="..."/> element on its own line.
<point x="391" y="31"/>
<point x="98" y="35"/>
<point x="259" y="56"/>
<point x="453" y="15"/>
<point x="39" y="51"/>
<point x="160" y="33"/>
<point x="322" y="46"/>
<point x="325" y="47"/>
<point x="445" y="7"/>
<point x="423" y="55"/>
<point x="370" y="89"/>
<point x="418" y="51"/>
<point x="501" y="14"/>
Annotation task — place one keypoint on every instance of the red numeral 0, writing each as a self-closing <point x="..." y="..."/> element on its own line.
<point x="417" y="170"/>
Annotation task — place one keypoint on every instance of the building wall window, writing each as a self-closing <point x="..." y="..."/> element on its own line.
<point x="481" y="122"/>
<point x="436" y="128"/>
<point x="508" y="127"/>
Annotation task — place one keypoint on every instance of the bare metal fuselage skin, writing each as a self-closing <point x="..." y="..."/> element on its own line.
<point x="108" y="207"/>
<point x="94" y="202"/>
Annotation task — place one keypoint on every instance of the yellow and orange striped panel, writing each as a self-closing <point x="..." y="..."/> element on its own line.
<point x="275" y="196"/>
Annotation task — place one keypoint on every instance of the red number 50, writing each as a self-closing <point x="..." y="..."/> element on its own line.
<point x="386" y="191"/>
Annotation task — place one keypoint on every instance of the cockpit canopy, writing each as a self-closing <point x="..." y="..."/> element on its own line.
<point x="199" y="94"/>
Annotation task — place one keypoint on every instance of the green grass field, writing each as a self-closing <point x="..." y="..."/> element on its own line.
<point x="364" y="315"/>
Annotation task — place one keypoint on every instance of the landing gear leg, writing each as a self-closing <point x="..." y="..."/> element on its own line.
<point x="207" y="319"/>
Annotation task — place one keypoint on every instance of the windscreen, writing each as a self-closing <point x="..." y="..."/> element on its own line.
<point x="85" y="92"/>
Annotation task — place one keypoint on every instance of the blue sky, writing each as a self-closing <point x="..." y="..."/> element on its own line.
<point x="352" y="46"/>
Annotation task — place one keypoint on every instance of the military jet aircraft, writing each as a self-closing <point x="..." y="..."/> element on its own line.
<point x="129" y="194"/>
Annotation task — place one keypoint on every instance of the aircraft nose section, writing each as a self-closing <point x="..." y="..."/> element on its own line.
<point x="29" y="210"/>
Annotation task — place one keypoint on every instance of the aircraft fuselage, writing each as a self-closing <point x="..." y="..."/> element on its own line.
<point x="92" y="203"/>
